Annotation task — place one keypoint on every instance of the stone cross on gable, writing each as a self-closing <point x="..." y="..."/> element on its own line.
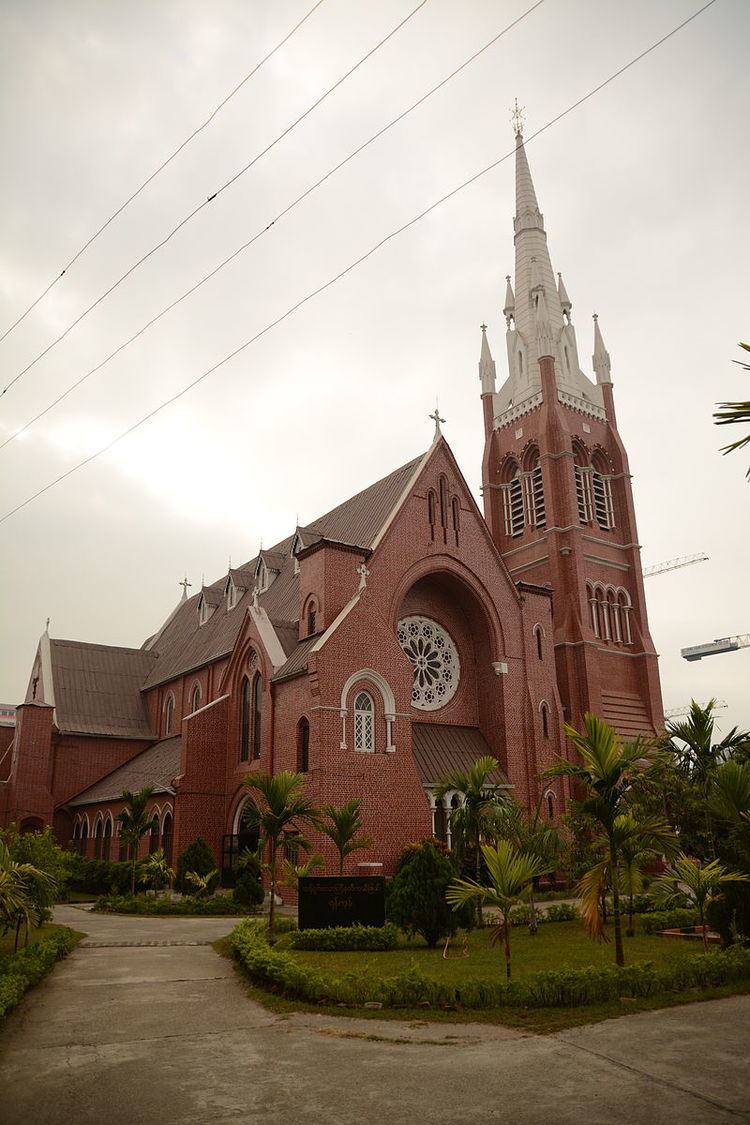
<point x="437" y="420"/>
<point x="364" y="574"/>
<point x="184" y="585"/>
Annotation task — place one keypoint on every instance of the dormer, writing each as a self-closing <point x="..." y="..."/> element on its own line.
<point x="237" y="584"/>
<point x="208" y="602"/>
<point x="267" y="569"/>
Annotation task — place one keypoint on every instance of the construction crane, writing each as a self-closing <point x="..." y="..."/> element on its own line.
<point x="673" y="564"/>
<point x="675" y="712"/>
<point x="713" y="648"/>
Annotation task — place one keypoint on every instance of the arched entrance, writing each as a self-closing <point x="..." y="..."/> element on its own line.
<point x="242" y="837"/>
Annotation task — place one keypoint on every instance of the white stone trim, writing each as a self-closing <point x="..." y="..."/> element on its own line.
<point x="268" y="636"/>
<point x="386" y="694"/>
<point x="45" y="653"/>
<point x="336" y="622"/>
<point x="512" y="413"/>
<point x="581" y="405"/>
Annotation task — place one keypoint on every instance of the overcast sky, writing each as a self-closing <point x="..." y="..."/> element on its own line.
<point x="644" y="193"/>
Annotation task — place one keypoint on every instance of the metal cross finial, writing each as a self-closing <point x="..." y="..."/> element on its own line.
<point x="483" y="327"/>
<point x="517" y="117"/>
<point x="437" y="420"/>
<point x="364" y="574"/>
<point x="184" y="585"/>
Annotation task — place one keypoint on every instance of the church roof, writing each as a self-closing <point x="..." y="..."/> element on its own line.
<point x="155" y="768"/>
<point x="97" y="689"/>
<point x="440" y="749"/>
<point x="183" y="644"/>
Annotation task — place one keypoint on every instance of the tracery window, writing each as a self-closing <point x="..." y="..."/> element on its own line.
<point x="364" y="722"/>
<point x="257" y="714"/>
<point x="303" y="746"/>
<point x="434" y="658"/>
<point x="195" y="699"/>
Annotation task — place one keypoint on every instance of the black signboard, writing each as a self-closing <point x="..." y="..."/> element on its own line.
<point x="341" y="900"/>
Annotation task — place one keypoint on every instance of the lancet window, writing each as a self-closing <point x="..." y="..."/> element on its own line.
<point x="364" y="722"/>
<point x="523" y="495"/>
<point x="610" y="610"/>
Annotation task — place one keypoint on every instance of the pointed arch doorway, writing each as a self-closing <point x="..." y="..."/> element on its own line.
<point x="235" y="843"/>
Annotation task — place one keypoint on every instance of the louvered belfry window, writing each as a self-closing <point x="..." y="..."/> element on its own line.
<point x="535" y="498"/>
<point x="603" y="511"/>
<point x="513" y="507"/>
<point x="583" y="493"/>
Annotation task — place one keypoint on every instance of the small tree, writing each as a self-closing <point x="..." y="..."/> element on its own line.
<point x="511" y="873"/>
<point x="699" y="883"/>
<point x="135" y="822"/>
<point x="344" y="827"/>
<point x="196" y="857"/>
<point x="416" y="896"/>
<point x="202" y="885"/>
<point x="156" y="872"/>
<point x="286" y="809"/>
<point x="528" y="833"/>
<point x="22" y="887"/>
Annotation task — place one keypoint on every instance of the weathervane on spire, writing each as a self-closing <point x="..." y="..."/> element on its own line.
<point x="517" y="118"/>
<point x="437" y="420"/>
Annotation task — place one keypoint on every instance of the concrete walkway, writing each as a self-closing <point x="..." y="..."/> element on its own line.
<point x="162" y="1033"/>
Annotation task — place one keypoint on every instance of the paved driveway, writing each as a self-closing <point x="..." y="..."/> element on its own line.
<point x="155" y="1034"/>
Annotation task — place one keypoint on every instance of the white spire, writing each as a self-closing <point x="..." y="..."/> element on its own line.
<point x="544" y="339"/>
<point x="487" y="373"/>
<point x="510" y="302"/>
<point x="600" y="357"/>
<point x="565" y="302"/>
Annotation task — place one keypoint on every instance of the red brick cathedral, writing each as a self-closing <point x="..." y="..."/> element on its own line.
<point x="396" y="638"/>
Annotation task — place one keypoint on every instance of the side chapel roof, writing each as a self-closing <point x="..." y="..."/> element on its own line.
<point x="97" y="689"/>
<point x="156" y="768"/>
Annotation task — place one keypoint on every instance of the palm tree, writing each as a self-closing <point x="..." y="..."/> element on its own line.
<point x="698" y="883"/>
<point x="511" y="873"/>
<point x="529" y="833"/>
<point x="342" y="828"/>
<point x="22" y="887"/>
<point x="692" y="742"/>
<point x="286" y="810"/>
<point x="134" y="823"/>
<point x="731" y="412"/>
<point x="202" y="885"/>
<point x="479" y="800"/>
<point x="608" y="770"/>
<point x="293" y="872"/>
<point x="156" y="872"/>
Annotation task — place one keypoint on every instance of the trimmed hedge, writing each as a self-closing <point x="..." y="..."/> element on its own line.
<point x="342" y="938"/>
<point x="21" y="971"/>
<point x="281" y="972"/>
<point x="197" y="907"/>
<point x="100" y="876"/>
<point x="562" y="912"/>
<point x="668" y="920"/>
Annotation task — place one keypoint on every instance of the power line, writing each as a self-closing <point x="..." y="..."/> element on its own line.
<point x="161" y="168"/>
<point x="240" y="249"/>
<point x="352" y="266"/>
<point x="196" y="210"/>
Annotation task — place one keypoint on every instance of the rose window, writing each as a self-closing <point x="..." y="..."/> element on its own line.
<point x="434" y="658"/>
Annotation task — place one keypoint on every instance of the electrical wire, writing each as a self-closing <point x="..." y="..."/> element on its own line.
<point x="240" y="249"/>
<point x="196" y="210"/>
<point x="352" y="266"/>
<point x="161" y="168"/>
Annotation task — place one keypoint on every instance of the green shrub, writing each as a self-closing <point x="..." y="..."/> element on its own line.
<point x="248" y="890"/>
<point x="196" y="857"/>
<point x="562" y="912"/>
<point x="21" y="971"/>
<point x="668" y="920"/>
<point x="341" y="938"/>
<point x="163" y="906"/>
<point x="564" y="988"/>
<point x="415" y="899"/>
<point x="99" y="876"/>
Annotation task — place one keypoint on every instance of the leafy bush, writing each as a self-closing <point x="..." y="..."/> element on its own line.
<point x="248" y="890"/>
<point x="20" y="971"/>
<point x="729" y="914"/>
<point x="340" y="938"/>
<point x="415" y="899"/>
<point x="42" y="851"/>
<point x="668" y="920"/>
<point x="200" y="907"/>
<point x="196" y="857"/>
<point x="561" y="912"/>
<point x="564" y="988"/>
<point x="99" y="876"/>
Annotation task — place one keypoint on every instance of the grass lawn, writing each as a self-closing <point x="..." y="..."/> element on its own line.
<point x="557" y="945"/>
<point x="36" y="933"/>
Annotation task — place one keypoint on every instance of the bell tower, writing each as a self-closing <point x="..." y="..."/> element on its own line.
<point x="557" y="487"/>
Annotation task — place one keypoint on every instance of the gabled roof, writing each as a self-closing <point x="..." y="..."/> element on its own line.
<point x="97" y="689"/>
<point x="183" y="644"/>
<point x="155" y="768"/>
<point x="440" y="749"/>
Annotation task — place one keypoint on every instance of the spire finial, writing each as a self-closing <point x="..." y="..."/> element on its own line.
<point x="600" y="358"/>
<point x="184" y="585"/>
<point x="437" y="420"/>
<point x="517" y="117"/>
<point x="46" y="627"/>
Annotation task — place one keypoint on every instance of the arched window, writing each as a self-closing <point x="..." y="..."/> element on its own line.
<point x="431" y="502"/>
<point x="544" y="712"/>
<point x="153" y="836"/>
<point x="443" y="502"/>
<point x="513" y="509"/>
<point x="166" y="836"/>
<point x="107" y="838"/>
<point x="364" y="722"/>
<point x="583" y="483"/>
<point x="98" y="833"/>
<point x="601" y="484"/>
<point x="551" y="805"/>
<point x="257" y="714"/>
<point x="123" y="849"/>
<point x="84" y="835"/>
<point x="312" y="617"/>
<point x="76" y="828"/>
<point x="245" y="721"/>
<point x="455" y="511"/>
<point x="534" y="489"/>
<point x="453" y="807"/>
<point x="539" y="633"/>
<point x="195" y="699"/>
<point x="168" y="714"/>
<point x="303" y="746"/>
<point x="520" y="363"/>
<point x="613" y="609"/>
<point x="439" y="822"/>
